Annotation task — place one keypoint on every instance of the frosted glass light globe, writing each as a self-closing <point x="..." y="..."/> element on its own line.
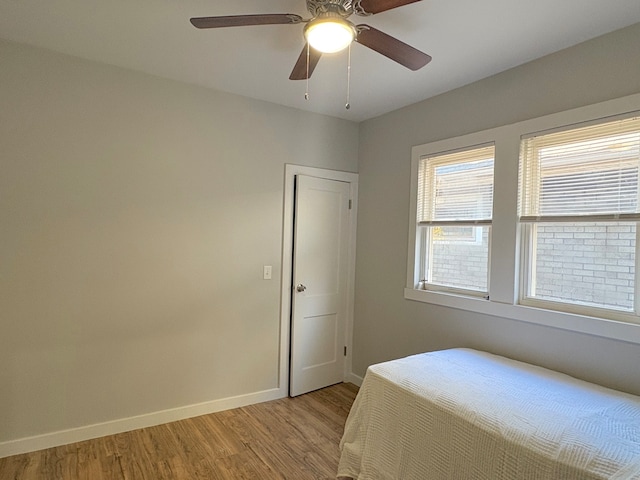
<point x="329" y="35"/>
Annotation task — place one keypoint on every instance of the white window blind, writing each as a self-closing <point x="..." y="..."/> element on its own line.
<point x="456" y="188"/>
<point x="583" y="173"/>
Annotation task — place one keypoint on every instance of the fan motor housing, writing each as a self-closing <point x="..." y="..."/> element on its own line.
<point x="343" y="8"/>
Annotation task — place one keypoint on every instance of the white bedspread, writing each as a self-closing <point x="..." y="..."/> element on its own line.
<point x="462" y="414"/>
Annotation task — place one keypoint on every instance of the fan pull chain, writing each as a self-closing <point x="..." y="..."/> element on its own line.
<point x="348" y="105"/>
<point x="306" y="93"/>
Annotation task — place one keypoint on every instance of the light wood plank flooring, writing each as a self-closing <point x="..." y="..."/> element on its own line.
<point x="291" y="438"/>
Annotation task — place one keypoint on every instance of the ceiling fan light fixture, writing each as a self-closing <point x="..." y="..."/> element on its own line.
<point x="329" y="34"/>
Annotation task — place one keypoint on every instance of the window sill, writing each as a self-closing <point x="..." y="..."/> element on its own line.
<point x="616" y="330"/>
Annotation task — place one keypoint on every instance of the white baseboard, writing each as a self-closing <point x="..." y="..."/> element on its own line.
<point x="63" y="437"/>
<point x="353" y="378"/>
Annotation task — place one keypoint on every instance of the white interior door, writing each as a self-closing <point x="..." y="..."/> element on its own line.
<point x="320" y="268"/>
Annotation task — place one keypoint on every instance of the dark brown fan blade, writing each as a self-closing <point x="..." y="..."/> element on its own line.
<point x="300" y="69"/>
<point x="245" y="20"/>
<point x="376" y="6"/>
<point x="391" y="47"/>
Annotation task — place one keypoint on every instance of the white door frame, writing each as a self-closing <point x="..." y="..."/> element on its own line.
<point x="287" y="264"/>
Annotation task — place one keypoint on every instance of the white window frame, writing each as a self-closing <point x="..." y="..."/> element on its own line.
<point x="505" y="279"/>
<point x="528" y="250"/>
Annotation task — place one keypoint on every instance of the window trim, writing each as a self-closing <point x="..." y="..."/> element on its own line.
<point x="505" y="278"/>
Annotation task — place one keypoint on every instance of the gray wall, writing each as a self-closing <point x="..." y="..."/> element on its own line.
<point x="388" y="326"/>
<point x="135" y="216"/>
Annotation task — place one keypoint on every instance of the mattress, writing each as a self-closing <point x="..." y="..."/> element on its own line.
<point x="463" y="414"/>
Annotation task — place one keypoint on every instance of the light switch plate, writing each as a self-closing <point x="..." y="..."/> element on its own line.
<point x="266" y="272"/>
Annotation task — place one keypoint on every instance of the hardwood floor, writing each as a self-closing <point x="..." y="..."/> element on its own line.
<point x="292" y="438"/>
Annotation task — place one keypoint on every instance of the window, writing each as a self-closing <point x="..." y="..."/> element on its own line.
<point x="454" y="211"/>
<point x="541" y="226"/>
<point x="579" y="211"/>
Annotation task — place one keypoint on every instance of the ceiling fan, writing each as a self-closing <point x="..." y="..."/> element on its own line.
<point x="329" y="31"/>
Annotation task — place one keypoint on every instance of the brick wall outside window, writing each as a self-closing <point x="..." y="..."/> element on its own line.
<point x="587" y="263"/>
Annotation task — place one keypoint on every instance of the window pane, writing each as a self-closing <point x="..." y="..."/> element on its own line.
<point x="584" y="263"/>
<point x="459" y="257"/>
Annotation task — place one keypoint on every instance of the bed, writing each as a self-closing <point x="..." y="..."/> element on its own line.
<point x="464" y="414"/>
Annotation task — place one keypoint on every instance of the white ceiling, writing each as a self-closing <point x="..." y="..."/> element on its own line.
<point x="468" y="40"/>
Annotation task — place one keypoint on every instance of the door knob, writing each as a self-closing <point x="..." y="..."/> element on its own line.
<point x="300" y="288"/>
